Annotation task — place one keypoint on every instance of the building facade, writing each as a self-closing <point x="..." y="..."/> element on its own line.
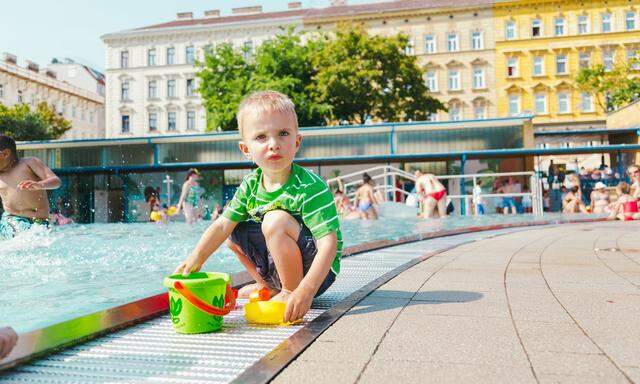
<point x="31" y="85"/>
<point x="453" y="41"/>
<point x="541" y="45"/>
<point x="79" y="75"/>
<point x="151" y="71"/>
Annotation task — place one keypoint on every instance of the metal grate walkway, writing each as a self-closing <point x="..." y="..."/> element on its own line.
<point x="152" y="352"/>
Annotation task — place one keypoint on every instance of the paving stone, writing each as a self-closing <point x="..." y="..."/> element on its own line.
<point x="396" y="371"/>
<point x="554" y="337"/>
<point x="569" y="379"/>
<point x="312" y="372"/>
<point x="573" y="364"/>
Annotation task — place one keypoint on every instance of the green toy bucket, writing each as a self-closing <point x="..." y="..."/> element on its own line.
<point x="198" y="301"/>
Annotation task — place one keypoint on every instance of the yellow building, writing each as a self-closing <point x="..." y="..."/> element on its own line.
<point x="542" y="44"/>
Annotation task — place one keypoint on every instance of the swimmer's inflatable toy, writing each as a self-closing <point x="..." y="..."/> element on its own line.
<point x="260" y="310"/>
<point x="155" y="216"/>
<point x="198" y="302"/>
<point x="172" y="210"/>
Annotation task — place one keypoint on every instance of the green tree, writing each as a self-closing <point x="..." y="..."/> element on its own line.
<point x="24" y="124"/>
<point x="364" y="76"/>
<point x="612" y="88"/>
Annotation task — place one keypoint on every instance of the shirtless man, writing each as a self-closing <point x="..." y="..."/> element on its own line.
<point x="23" y="190"/>
<point x="432" y="195"/>
<point x="365" y="199"/>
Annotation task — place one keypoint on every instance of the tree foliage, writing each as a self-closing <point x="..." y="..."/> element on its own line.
<point x="363" y="76"/>
<point x="347" y="77"/>
<point x="613" y="88"/>
<point x="23" y="124"/>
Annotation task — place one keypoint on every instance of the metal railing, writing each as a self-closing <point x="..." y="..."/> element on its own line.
<point x="385" y="177"/>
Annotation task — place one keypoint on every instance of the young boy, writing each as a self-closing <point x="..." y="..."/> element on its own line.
<point x="23" y="185"/>
<point x="282" y="220"/>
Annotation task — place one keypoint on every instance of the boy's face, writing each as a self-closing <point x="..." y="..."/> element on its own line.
<point x="271" y="140"/>
<point x="6" y="157"/>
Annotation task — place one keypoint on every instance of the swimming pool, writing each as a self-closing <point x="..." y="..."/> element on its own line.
<point x="52" y="276"/>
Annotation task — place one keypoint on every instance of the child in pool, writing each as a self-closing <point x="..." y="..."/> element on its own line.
<point x="23" y="189"/>
<point x="282" y="222"/>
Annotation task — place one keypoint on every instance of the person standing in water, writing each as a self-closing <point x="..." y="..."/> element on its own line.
<point x="190" y="200"/>
<point x="432" y="194"/>
<point x="365" y="199"/>
<point x="23" y="189"/>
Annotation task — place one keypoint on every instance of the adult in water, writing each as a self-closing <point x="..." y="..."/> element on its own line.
<point x="23" y="189"/>
<point x="432" y="194"/>
<point x="365" y="199"/>
<point x="190" y="197"/>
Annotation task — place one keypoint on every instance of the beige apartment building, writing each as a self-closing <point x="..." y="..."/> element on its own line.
<point x="32" y="85"/>
<point x="453" y="40"/>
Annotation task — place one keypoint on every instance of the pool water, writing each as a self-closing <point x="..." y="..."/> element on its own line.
<point x="53" y="275"/>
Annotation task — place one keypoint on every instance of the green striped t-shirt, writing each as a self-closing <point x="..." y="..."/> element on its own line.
<point x="305" y="196"/>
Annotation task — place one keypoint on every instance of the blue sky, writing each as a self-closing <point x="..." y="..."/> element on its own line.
<point x="39" y="30"/>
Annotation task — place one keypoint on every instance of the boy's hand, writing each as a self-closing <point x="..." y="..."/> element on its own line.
<point x="298" y="304"/>
<point x="30" y="185"/>
<point x="191" y="264"/>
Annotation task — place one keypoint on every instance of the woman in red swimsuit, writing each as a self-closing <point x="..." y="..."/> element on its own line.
<point x="433" y="196"/>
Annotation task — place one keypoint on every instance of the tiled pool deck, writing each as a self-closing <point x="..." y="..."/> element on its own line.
<point x="547" y="305"/>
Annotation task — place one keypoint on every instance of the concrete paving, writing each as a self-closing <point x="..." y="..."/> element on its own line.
<point x="551" y="305"/>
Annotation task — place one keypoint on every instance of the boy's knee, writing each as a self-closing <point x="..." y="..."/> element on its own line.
<point x="277" y="222"/>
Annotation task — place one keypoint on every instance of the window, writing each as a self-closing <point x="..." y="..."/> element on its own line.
<point x="171" y="121"/>
<point x="584" y="60"/>
<point x="587" y="102"/>
<point x="478" y="78"/>
<point x="559" y="26"/>
<point x="1" y="91"/>
<point x="190" y="54"/>
<point x="171" y="56"/>
<point x="510" y="30"/>
<point x="247" y="52"/>
<point x="73" y="111"/>
<point x="191" y="120"/>
<point x="454" y="112"/>
<point x="608" y="59"/>
<point x="538" y="66"/>
<point x="633" y="58"/>
<point x="563" y="102"/>
<point x="91" y="116"/>
<point x="432" y="81"/>
<point x="541" y="103"/>
<point x="153" y="87"/>
<point x="151" y="57"/>
<point x="606" y="23"/>
<point x="409" y="49"/>
<point x="20" y="99"/>
<point x="583" y="24"/>
<point x="512" y="67"/>
<point x="430" y="44"/>
<point x="83" y="115"/>
<point x="536" y="28"/>
<point x="124" y="91"/>
<point x="191" y="87"/>
<point x="124" y="59"/>
<point x="171" y="88"/>
<point x="454" y="80"/>
<point x="125" y="124"/>
<point x="452" y="42"/>
<point x="561" y="64"/>
<point x="630" y="20"/>
<point x="480" y="111"/>
<point x="476" y="41"/>
<point x="153" y="121"/>
<point x="514" y="105"/>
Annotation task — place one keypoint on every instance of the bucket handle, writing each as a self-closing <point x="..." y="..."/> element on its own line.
<point x="229" y="300"/>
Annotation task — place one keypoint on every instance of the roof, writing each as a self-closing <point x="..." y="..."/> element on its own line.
<point x="226" y="19"/>
<point x="393" y="6"/>
<point x="315" y="13"/>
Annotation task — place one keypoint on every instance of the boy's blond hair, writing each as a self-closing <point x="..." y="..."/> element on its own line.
<point x="265" y="101"/>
